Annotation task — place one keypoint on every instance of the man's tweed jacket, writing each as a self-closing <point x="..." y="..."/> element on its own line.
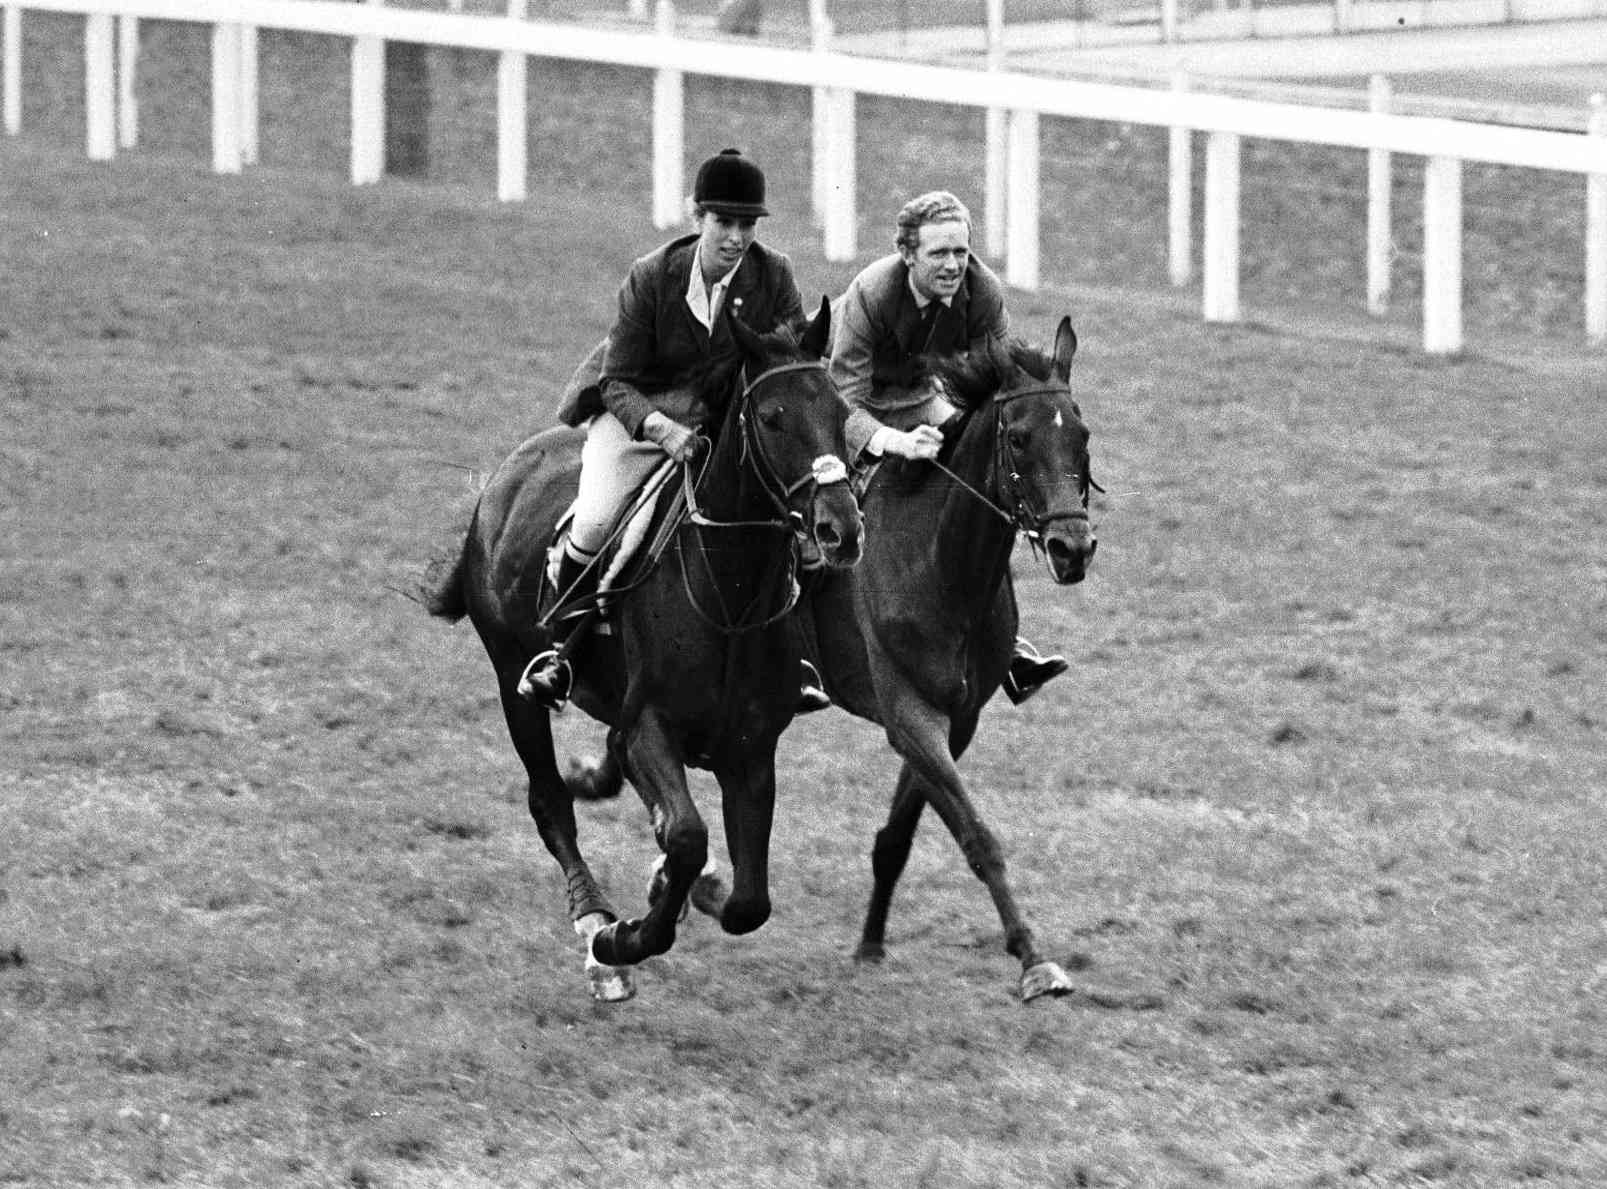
<point x="878" y="332"/>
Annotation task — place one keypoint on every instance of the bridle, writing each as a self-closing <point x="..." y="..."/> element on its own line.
<point x="1019" y="512"/>
<point x="781" y="492"/>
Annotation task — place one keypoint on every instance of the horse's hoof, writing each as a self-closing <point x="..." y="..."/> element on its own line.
<point x="708" y="890"/>
<point x="609" y="984"/>
<point x="583" y="777"/>
<point x="604" y="946"/>
<point x="870" y="953"/>
<point x="1046" y="978"/>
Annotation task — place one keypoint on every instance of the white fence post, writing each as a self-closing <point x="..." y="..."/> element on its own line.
<point x="997" y="133"/>
<point x="1596" y="234"/>
<point x="1221" y="279"/>
<point x="100" y="86"/>
<point x="1180" y="196"/>
<point x="227" y="152"/>
<point x="12" y="22"/>
<point x="1168" y="21"/>
<point x="819" y="97"/>
<point x="127" y="76"/>
<point x="368" y="109"/>
<point x="841" y="240"/>
<point x="669" y="132"/>
<point x="1021" y="221"/>
<point x="250" y="137"/>
<point x="1442" y="256"/>
<point x="513" y="129"/>
<point x="1379" y="216"/>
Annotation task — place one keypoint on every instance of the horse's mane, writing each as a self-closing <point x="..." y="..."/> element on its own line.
<point x="714" y="380"/>
<point x="970" y="380"/>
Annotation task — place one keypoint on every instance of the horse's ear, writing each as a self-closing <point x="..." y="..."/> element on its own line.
<point x="817" y="337"/>
<point x="1065" y="348"/>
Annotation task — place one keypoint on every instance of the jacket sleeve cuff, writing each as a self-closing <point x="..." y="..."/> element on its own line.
<point x="860" y="429"/>
<point x="628" y="405"/>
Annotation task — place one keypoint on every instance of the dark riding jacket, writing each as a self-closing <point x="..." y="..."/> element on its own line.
<point x="657" y="343"/>
<point x="879" y="332"/>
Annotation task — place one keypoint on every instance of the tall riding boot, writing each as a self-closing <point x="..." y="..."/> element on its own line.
<point x="549" y="676"/>
<point x="1030" y="671"/>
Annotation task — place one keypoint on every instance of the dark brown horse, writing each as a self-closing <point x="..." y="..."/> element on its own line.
<point x="918" y="637"/>
<point x="701" y="667"/>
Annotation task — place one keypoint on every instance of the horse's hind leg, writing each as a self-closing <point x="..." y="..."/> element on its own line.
<point x="888" y="857"/>
<point x="553" y="810"/>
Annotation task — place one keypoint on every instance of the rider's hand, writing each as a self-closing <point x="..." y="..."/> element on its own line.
<point x="670" y="436"/>
<point x="924" y="441"/>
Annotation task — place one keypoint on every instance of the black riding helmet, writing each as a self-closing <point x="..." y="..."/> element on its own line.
<point x="730" y="184"/>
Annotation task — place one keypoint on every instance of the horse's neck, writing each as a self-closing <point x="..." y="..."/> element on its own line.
<point x="973" y="542"/>
<point x="729" y="491"/>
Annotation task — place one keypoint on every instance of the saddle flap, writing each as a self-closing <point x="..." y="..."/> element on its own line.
<point x="623" y="560"/>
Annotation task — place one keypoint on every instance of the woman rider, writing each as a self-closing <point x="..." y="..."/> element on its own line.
<point x="670" y="326"/>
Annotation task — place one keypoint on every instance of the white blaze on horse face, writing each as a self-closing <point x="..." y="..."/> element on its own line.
<point x="1060" y="422"/>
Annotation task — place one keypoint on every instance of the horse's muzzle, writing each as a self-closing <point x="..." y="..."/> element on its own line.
<point x="839" y="529"/>
<point x="1070" y="547"/>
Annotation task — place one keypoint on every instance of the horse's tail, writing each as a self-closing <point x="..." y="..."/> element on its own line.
<point x="442" y="587"/>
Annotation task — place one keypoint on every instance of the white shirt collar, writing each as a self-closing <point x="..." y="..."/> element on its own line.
<point x="705" y="302"/>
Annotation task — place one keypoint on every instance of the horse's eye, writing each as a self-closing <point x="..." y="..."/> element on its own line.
<point x="771" y="418"/>
<point x="1018" y="439"/>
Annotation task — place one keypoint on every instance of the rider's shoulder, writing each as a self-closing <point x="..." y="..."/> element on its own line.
<point x="983" y="278"/>
<point x="660" y="257"/>
<point x="881" y="280"/>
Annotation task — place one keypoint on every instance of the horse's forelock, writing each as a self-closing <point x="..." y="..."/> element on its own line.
<point x="1037" y="363"/>
<point x="974" y="378"/>
<point x="715" y="378"/>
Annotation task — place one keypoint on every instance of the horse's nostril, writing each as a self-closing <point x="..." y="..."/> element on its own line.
<point x="826" y="534"/>
<point x="1069" y="557"/>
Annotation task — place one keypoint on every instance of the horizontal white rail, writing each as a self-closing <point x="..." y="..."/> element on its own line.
<point x="1014" y="102"/>
<point x="1419" y="135"/>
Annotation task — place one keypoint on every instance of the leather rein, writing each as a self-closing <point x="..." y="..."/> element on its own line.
<point x="788" y="522"/>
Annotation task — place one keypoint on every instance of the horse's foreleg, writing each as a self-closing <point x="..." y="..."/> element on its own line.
<point x="748" y="802"/>
<point x="655" y="767"/>
<point x="888" y="857"/>
<point x="921" y="734"/>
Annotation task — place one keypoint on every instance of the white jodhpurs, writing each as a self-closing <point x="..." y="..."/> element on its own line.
<point x="613" y="467"/>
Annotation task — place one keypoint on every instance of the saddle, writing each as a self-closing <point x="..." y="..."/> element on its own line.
<point x="643" y="530"/>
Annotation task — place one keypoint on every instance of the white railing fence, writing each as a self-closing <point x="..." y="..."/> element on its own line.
<point x="1015" y="103"/>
